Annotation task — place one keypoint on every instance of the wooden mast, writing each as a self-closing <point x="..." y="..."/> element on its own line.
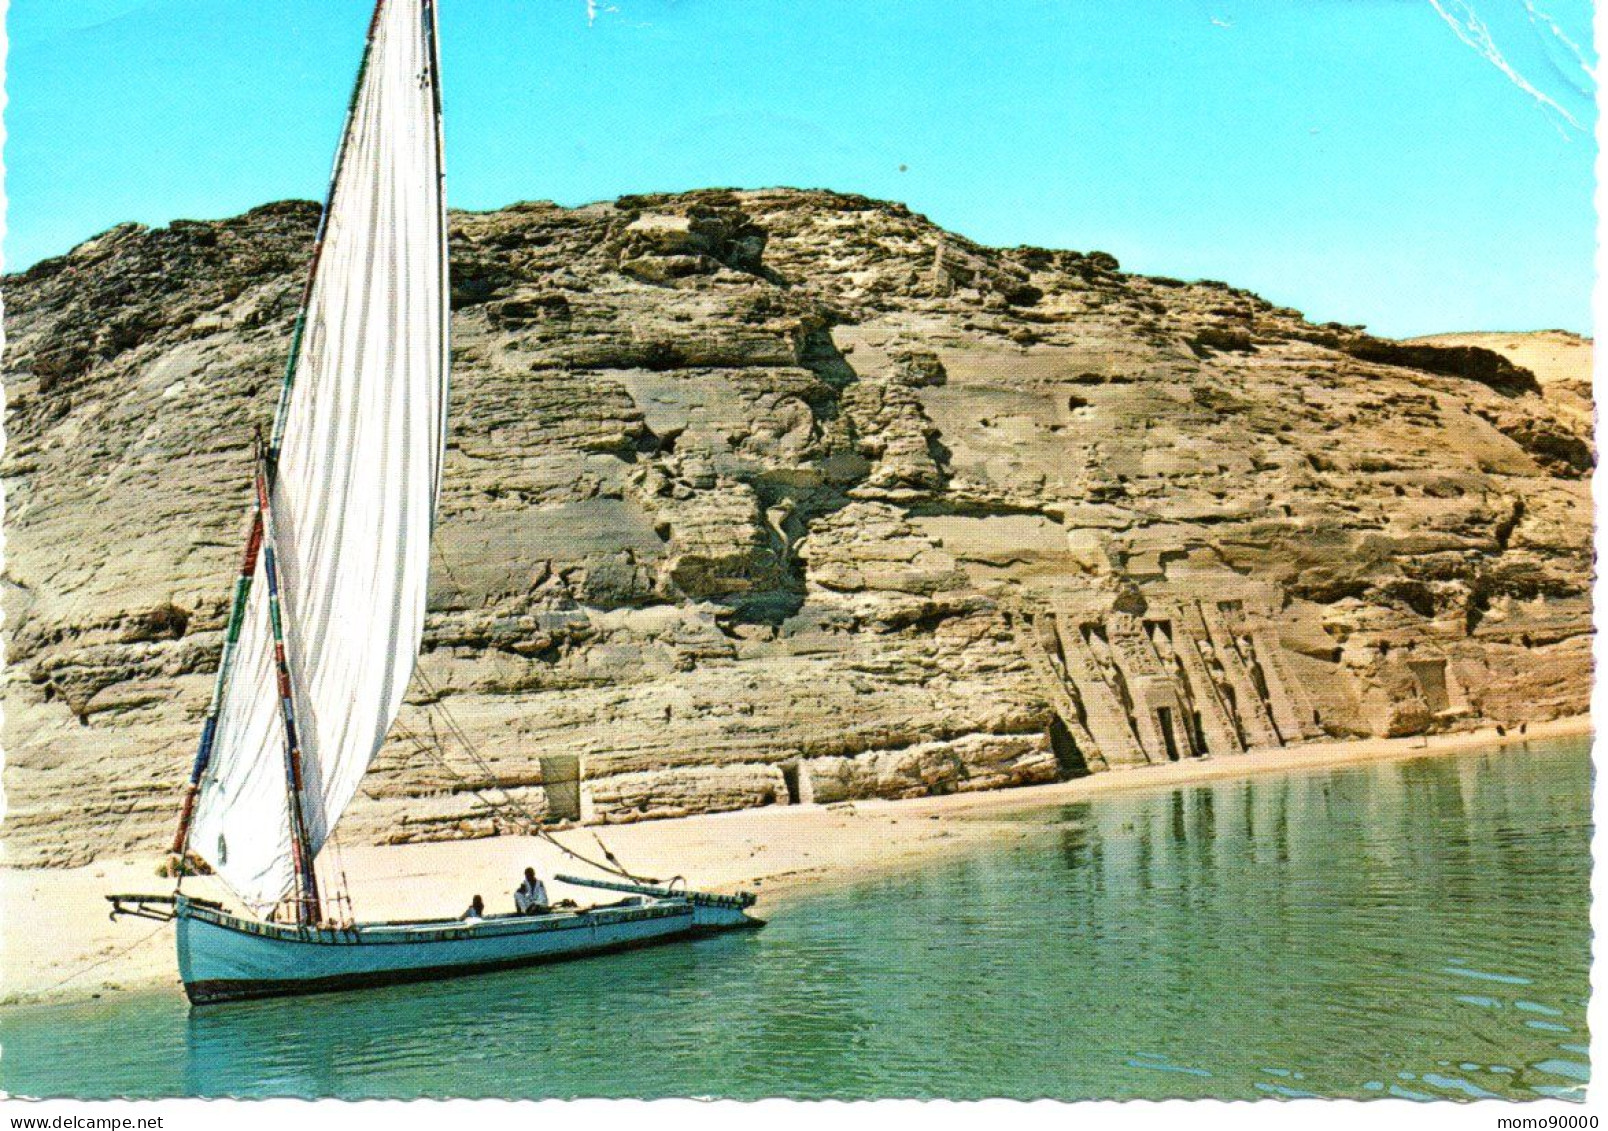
<point x="308" y="909"/>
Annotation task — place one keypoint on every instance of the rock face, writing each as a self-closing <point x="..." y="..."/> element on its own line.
<point x="764" y="497"/>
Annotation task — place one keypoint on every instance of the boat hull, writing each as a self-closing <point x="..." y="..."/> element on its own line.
<point x="224" y="957"/>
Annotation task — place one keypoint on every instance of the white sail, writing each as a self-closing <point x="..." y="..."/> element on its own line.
<point x="354" y="498"/>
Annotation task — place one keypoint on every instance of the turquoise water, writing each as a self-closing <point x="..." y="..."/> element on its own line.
<point x="1414" y="929"/>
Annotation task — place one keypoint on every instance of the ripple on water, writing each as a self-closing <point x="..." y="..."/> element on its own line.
<point x="1028" y="969"/>
<point x="1487" y="975"/>
<point x="1572" y="1092"/>
<point x="1572" y="1069"/>
<point x="1407" y="1094"/>
<point x="1160" y="1064"/>
<point x="1537" y="1007"/>
<point x="1458" y="1084"/>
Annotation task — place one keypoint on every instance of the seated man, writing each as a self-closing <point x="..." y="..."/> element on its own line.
<point x="530" y="898"/>
<point x="476" y="910"/>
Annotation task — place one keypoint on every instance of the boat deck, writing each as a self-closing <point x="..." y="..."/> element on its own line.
<point x="224" y="956"/>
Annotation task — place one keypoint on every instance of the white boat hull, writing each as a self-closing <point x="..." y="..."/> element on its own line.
<point x="224" y="957"/>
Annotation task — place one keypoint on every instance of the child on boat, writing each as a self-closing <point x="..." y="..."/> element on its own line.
<point x="477" y="909"/>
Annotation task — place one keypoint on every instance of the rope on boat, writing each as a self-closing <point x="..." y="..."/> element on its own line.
<point x="341" y="896"/>
<point x="511" y="808"/>
<point x="525" y="817"/>
<point x="616" y="869"/>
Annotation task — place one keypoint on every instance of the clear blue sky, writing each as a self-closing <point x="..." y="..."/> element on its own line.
<point x="1374" y="161"/>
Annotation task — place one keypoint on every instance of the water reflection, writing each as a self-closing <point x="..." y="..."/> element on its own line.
<point x="1411" y="929"/>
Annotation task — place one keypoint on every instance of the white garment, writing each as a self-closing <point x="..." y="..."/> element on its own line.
<point x="530" y="896"/>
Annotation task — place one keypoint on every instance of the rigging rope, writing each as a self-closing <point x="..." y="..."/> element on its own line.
<point x="340" y="893"/>
<point x="531" y="822"/>
<point x="512" y="808"/>
<point x="141" y="941"/>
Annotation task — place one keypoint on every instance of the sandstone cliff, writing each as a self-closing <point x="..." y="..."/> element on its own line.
<point x="758" y="497"/>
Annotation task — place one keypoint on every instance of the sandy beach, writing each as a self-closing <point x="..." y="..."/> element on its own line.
<point x="60" y="945"/>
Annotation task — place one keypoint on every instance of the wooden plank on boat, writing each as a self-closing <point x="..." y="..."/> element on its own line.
<point x="740" y="900"/>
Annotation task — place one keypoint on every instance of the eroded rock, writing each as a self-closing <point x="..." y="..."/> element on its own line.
<point x="759" y="497"/>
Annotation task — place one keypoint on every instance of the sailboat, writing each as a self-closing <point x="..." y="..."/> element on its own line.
<point x="328" y="607"/>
